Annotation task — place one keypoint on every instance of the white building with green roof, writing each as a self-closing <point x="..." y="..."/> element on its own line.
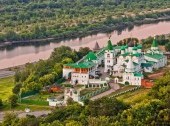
<point x="127" y="61"/>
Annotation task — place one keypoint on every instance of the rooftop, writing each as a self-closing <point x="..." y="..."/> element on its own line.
<point x="154" y="55"/>
<point x="81" y="65"/>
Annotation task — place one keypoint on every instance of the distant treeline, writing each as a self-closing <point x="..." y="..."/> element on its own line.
<point x="60" y="19"/>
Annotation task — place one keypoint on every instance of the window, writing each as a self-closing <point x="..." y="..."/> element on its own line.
<point x="108" y="55"/>
<point x="108" y="61"/>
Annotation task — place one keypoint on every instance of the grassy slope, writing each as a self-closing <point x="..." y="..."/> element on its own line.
<point x="135" y="96"/>
<point x="6" y="85"/>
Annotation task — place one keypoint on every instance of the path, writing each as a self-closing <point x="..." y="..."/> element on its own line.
<point x="5" y="73"/>
<point x="113" y="86"/>
<point x="22" y="114"/>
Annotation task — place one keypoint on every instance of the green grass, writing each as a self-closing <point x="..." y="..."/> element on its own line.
<point x="34" y="102"/>
<point x="134" y="96"/>
<point x="88" y="90"/>
<point x="6" y="85"/>
<point x="125" y="88"/>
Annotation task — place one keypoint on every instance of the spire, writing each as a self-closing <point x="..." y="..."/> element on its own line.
<point x="96" y="46"/>
<point x="109" y="45"/>
<point x="154" y="43"/>
<point x="130" y="66"/>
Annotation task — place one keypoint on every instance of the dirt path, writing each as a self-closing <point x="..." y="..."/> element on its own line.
<point x="113" y="86"/>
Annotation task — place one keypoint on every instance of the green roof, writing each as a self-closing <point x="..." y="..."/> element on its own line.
<point x="81" y="65"/>
<point x="117" y="47"/>
<point x="154" y="55"/>
<point x="138" y="74"/>
<point x="137" y="54"/>
<point x="129" y="54"/>
<point x="123" y="48"/>
<point x="133" y="62"/>
<point x="109" y="45"/>
<point x="139" y="46"/>
<point x="91" y="56"/>
<point x="146" y="64"/>
<point x="154" y="43"/>
<point x="135" y="48"/>
<point x="125" y="54"/>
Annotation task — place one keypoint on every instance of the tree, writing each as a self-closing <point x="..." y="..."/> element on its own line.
<point x="167" y="46"/>
<point x="73" y="123"/>
<point x="106" y="107"/>
<point x="67" y="60"/>
<point x="83" y="51"/>
<point x="98" y="121"/>
<point x="17" y="88"/>
<point x="10" y="119"/>
<point x="13" y="100"/>
<point x="1" y="103"/>
<point x="29" y="121"/>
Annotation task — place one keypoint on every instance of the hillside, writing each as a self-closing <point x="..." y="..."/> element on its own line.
<point x="38" y="19"/>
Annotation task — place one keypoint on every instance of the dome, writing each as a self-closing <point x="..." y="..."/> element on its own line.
<point x="122" y="48"/>
<point x="135" y="48"/>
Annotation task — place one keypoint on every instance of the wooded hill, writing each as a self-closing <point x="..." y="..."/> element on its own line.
<point x="35" y="19"/>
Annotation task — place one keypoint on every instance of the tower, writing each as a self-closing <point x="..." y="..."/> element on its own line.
<point x="154" y="45"/>
<point x="109" y="57"/>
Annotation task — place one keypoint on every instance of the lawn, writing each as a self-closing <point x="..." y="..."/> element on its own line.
<point x="6" y="85"/>
<point x="88" y="90"/>
<point x="122" y="89"/>
<point x="135" y="96"/>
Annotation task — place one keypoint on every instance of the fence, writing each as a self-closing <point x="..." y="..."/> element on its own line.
<point x="29" y="93"/>
<point x="89" y="95"/>
<point x="123" y="92"/>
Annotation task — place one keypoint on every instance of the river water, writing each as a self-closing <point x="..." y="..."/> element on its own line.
<point x="20" y="55"/>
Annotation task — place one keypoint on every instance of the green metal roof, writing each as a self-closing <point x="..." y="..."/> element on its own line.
<point x="91" y="56"/>
<point x="154" y="43"/>
<point x="137" y="54"/>
<point x="125" y="54"/>
<point x="81" y="65"/>
<point x="146" y="64"/>
<point x="109" y="45"/>
<point x="135" y="48"/>
<point x="139" y="46"/>
<point x="135" y="64"/>
<point x="123" y="48"/>
<point x="138" y="74"/>
<point x="117" y="47"/>
<point x="154" y="55"/>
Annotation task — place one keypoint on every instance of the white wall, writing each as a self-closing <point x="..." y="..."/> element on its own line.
<point x="66" y="71"/>
<point x="109" y="60"/>
<point x="82" y="78"/>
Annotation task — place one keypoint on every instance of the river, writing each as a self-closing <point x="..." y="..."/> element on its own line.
<point x="20" y="54"/>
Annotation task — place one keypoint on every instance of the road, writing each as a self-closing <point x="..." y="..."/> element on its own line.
<point x="113" y="86"/>
<point x="5" y="73"/>
<point x="22" y="114"/>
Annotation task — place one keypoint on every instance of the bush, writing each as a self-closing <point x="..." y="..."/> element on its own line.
<point x="1" y="103"/>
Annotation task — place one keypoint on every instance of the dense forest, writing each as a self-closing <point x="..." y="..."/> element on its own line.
<point x="151" y="110"/>
<point x="61" y="19"/>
